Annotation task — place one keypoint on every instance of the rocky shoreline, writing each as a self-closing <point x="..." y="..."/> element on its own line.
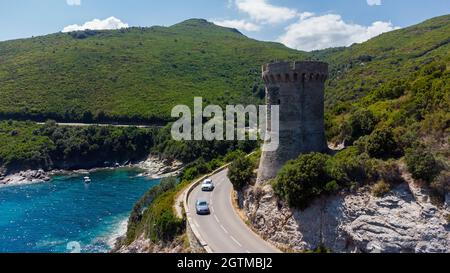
<point x="153" y="167"/>
<point x="25" y="177"/>
<point x="144" y="245"/>
<point x="156" y="167"/>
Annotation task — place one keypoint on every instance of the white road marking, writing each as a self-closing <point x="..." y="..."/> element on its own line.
<point x="195" y="223"/>
<point x="226" y="231"/>
<point x="236" y="241"/>
<point x="217" y="219"/>
<point x="212" y="209"/>
<point x="248" y="251"/>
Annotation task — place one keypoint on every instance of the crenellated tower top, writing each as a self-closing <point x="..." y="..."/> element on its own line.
<point x="303" y="71"/>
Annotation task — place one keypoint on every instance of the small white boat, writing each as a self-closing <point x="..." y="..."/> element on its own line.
<point x="87" y="180"/>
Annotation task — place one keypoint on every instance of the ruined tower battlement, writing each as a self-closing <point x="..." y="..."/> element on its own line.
<point x="298" y="89"/>
<point x="294" y="72"/>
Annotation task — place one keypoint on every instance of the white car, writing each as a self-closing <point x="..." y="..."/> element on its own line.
<point x="202" y="207"/>
<point x="207" y="185"/>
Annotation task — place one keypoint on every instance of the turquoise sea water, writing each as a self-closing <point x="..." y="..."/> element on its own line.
<point x="46" y="217"/>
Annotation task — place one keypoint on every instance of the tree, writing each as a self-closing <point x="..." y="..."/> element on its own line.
<point x="303" y="179"/>
<point x="240" y="172"/>
<point x="422" y="164"/>
<point x="88" y="116"/>
<point x="382" y="144"/>
<point x="361" y="123"/>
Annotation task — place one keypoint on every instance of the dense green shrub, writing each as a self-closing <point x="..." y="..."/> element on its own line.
<point x="168" y="183"/>
<point x="382" y="144"/>
<point x="303" y="179"/>
<point x="422" y="164"/>
<point x="240" y="172"/>
<point x="350" y="166"/>
<point x="311" y="175"/>
<point x="332" y="128"/>
<point x="137" y="213"/>
<point x="160" y="220"/>
<point x="361" y="123"/>
<point x="389" y="172"/>
<point x="392" y="90"/>
<point x="153" y="214"/>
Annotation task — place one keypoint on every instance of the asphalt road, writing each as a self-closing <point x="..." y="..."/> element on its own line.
<point x="72" y="124"/>
<point x="223" y="230"/>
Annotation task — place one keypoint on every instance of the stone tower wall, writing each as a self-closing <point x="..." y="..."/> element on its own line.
<point x="298" y="88"/>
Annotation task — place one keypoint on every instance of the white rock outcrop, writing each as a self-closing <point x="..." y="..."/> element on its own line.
<point x="25" y="177"/>
<point x="156" y="167"/>
<point x="144" y="245"/>
<point x="352" y="222"/>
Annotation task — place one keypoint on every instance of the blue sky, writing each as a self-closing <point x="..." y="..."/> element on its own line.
<point x="301" y="24"/>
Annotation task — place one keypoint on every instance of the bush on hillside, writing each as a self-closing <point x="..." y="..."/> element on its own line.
<point x="422" y="164"/>
<point x="168" y="183"/>
<point x="389" y="172"/>
<point x="160" y="220"/>
<point x="303" y="179"/>
<point x="392" y="90"/>
<point x="381" y="188"/>
<point x="361" y="123"/>
<point x="382" y="144"/>
<point x="240" y="172"/>
<point x="352" y="166"/>
<point x="441" y="185"/>
<point x="137" y="214"/>
<point x="312" y="175"/>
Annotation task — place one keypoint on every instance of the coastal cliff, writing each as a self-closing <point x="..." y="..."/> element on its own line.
<point x="404" y="220"/>
<point x="145" y="245"/>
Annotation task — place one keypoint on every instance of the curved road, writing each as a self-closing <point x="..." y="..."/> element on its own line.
<point x="78" y="124"/>
<point x="223" y="230"/>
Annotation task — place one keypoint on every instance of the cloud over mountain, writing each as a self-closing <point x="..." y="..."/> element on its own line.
<point x="330" y="30"/>
<point x="97" y="24"/>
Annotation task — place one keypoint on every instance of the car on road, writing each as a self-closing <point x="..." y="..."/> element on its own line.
<point x="202" y="207"/>
<point x="208" y="185"/>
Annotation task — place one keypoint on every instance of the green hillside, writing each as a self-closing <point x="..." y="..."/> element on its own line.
<point x="401" y="78"/>
<point x="358" y="69"/>
<point x="397" y="82"/>
<point x="388" y="100"/>
<point x="131" y="75"/>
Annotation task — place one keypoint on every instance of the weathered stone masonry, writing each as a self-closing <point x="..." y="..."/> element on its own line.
<point x="298" y="88"/>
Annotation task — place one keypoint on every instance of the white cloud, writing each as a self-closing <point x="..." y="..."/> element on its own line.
<point x="374" y="2"/>
<point x="330" y="30"/>
<point x="305" y="15"/>
<point x="96" y="24"/>
<point x="73" y="2"/>
<point x="263" y="12"/>
<point x="238" y="24"/>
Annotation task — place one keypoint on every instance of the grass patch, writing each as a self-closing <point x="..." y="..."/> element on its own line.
<point x="380" y="189"/>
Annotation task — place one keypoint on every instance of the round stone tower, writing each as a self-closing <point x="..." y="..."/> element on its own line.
<point x="298" y="89"/>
